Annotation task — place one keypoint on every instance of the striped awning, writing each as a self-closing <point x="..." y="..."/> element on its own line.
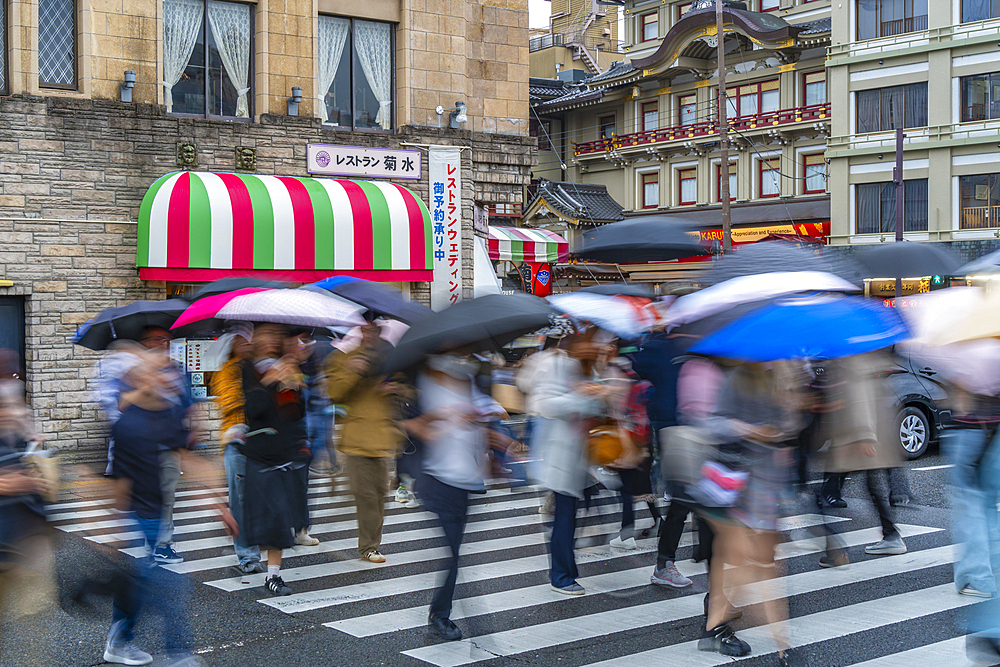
<point x="196" y="226"/>
<point x="520" y="244"/>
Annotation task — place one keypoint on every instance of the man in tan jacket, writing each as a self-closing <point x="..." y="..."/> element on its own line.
<point x="371" y="434"/>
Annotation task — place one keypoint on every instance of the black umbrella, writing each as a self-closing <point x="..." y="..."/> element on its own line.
<point x="488" y="322"/>
<point x="773" y="256"/>
<point x="651" y="238"/>
<point x="986" y="264"/>
<point x="226" y="285"/>
<point x="906" y="259"/>
<point x="128" y="322"/>
<point x="382" y="300"/>
<point x="621" y="289"/>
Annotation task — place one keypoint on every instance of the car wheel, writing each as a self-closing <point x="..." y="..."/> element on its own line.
<point x="914" y="431"/>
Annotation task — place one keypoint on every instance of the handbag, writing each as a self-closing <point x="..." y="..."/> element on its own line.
<point x="683" y="451"/>
<point x="606" y="443"/>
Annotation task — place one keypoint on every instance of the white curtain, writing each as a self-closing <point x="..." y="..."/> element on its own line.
<point x="230" y="24"/>
<point x="182" y="21"/>
<point x="332" y="38"/>
<point x="373" y="44"/>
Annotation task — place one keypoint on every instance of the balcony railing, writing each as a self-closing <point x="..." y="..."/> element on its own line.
<point x="705" y="128"/>
<point x="874" y="48"/>
<point x="904" y="25"/>
<point x="980" y="217"/>
<point x="544" y="41"/>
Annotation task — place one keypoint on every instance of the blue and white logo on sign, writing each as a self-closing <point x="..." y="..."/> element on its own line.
<point x="543" y="277"/>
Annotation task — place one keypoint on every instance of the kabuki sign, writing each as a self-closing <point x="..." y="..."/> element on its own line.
<point x="335" y="160"/>
<point x="445" y="166"/>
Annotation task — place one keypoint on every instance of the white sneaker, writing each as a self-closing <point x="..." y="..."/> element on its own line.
<point x="304" y="539"/>
<point x="402" y="496"/>
<point x="619" y="543"/>
<point x="126" y="654"/>
<point x="892" y="546"/>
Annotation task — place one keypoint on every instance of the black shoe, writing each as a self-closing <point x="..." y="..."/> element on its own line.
<point x="786" y="659"/>
<point x="721" y="639"/>
<point x="277" y="586"/>
<point x="166" y="555"/>
<point x="444" y="628"/>
<point x="834" y="501"/>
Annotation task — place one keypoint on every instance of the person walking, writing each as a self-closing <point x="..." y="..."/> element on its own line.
<point x="371" y="434"/>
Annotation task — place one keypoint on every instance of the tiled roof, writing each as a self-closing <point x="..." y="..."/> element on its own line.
<point x="576" y="95"/>
<point x="580" y="201"/>
<point x="815" y="27"/>
<point x="546" y="89"/>
<point x="617" y="69"/>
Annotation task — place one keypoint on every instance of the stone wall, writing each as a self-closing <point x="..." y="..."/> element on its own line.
<point x="72" y="175"/>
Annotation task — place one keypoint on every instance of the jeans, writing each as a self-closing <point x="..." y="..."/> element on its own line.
<point x="170" y="475"/>
<point x="318" y="427"/>
<point x="562" y="570"/>
<point x="236" y="469"/>
<point x="451" y="505"/>
<point x="165" y="592"/>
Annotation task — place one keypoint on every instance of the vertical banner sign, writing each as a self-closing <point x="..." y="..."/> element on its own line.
<point x="445" y="168"/>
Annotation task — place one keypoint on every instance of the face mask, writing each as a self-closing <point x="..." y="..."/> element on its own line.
<point x="452" y="366"/>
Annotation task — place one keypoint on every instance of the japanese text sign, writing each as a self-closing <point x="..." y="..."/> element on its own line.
<point x="335" y="160"/>
<point x="445" y="204"/>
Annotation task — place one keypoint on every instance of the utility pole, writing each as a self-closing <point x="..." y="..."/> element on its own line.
<point x="897" y="178"/>
<point x="727" y="233"/>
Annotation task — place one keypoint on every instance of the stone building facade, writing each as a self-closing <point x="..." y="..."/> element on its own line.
<point x="75" y="161"/>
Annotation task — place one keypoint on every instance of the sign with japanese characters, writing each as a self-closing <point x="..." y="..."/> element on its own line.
<point x="445" y="204"/>
<point x="354" y="161"/>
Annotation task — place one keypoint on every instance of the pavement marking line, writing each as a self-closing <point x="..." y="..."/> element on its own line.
<point x="565" y="631"/>
<point x="811" y="629"/>
<point x="415" y="617"/>
<point x="950" y="652"/>
<point x="330" y="597"/>
<point x="941" y="467"/>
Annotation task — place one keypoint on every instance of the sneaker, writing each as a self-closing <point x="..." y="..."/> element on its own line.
<point x="976" y="593"/>
<point x="890" y="546"/>
<point x="126" y="654"/>
<point x="373" y="557"/>
<point x="652" y="530"/>
<point x="833" y="501"/>
<point x="182" y="659"/>
<point x="166" y="555"/>
<point x="572" y="589"/>
<point x="828" y="561"/>
<point x="402" y="496"/>
<point x="251" y="567"/>
<point x="721" y="639"/>
<point x="444" y="628"/>
<point x="669" y="575"/>
<point x="619" y="543"/>
<point x="303" y="538"/>
<point x="277" y="586"/>
<point x="549" y="505"/>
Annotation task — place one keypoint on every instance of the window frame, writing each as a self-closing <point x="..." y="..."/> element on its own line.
<point x="737" y="96"/>
<point x="733" y="172"/>
<point x="805" y="173"/>
<point x="765" y="165"/>
<point x="880" y="5"/>
<point x="680" y="109"/>
<point x="882" y="92"/>
<point x="392" y="66"/>
<point x="964" y="106"/>
<point x="251" y="75"/>
<point x="882" y="184"/>
<point x="543" y="138"/>
<point x="682" y="10"/>
<point x="680" y="185"/>
<point x="806" y="83"/>
<point x="602" y="124"/>
<point x="644" y="109"/>
<point x="994" y="10"/>
<point x="643" y="23"/>
<point x="643" y="182"/>
<point x="4" y="48"/>
<point x="992" y="180"/>
<point x="76" y="52"/>
<point x="777" y="6"/>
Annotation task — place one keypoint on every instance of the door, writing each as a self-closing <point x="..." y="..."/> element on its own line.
<point x="12" y="326"/>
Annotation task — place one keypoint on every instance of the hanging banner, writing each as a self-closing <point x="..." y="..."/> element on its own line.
<point x="445" y="171"/>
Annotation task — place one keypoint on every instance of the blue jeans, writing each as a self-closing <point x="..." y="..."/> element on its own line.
<point x="165" y="592"/>
<point x="451" y="505"/>
<point x="319" y="424"/>
<point x="236" y="470"/>
<point x="562" y="570"/>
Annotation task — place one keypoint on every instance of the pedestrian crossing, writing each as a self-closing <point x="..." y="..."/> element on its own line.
<point x="508" y="611"/>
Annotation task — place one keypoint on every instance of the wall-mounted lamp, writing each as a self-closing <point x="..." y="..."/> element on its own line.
<point x="457" y="116"/>
<point x="293" y="101"/>
<point x="127" y="85"/>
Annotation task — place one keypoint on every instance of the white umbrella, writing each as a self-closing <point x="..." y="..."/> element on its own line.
<point x="615" y="314"/>
<point x="746" y="289"/>
<point x="284" y="306"/>
<point x="392" y="331"/>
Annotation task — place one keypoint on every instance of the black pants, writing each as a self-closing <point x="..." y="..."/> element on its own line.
<point x="671" y="529"/>
<point x="877" y="483"/>
<point x="451" y="505"/>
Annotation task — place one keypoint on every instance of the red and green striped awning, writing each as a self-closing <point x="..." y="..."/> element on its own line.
<point x="521" y="244"/>
<point x="196" y="226"/>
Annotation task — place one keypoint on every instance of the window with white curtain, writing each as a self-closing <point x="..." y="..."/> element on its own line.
<point x="688" y="191"/>
<point x="356" y="67"/>
<point x="770" y="178"/>
<point x="207" y="56"/>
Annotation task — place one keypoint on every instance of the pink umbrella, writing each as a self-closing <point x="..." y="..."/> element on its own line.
<point x="282" y="306"/>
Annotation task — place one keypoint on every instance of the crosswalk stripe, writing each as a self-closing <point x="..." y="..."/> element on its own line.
<point x="555" y="633"/>
<point x="950" y="652"/>
<point x="810" y="629"/>
<point x="329" y="597"/>
<point x="508" y="600"/>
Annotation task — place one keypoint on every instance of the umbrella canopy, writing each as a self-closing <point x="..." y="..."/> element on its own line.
<point x="747" y="289"/>
<point x="391" y="332"/>
<point x="489" y="322"/>
<point x="283" y="306"/>
<point x="225" y="285"/>
<point x="973" y="365"/>
<point x="621" y="289"/>
<point x="128" y="322"/>
<point x="618" y="315"/>
<point x="382" y="300"/>
<point x="906" y="259"/>
<point x="824" y="326"/>
<point x="766" y="257"/>
<point x="986" y="264"/>
<point x="954" y="315"/>
<point x="332" y="282"/>
<point x="651" y="238"/>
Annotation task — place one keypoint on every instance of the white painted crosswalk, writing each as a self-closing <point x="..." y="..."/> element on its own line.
<point x="507" y="608"/>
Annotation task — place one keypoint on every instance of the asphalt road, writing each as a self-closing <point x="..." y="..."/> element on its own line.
<point x="871" y="611"/>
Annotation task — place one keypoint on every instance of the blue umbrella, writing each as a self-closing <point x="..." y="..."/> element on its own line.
<point x="825" y="326"/>
<point x="333" y="282"/>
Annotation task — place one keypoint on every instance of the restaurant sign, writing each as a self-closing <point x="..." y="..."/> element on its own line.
<point x="360" y="161"/>
<point x="445" y="204"/>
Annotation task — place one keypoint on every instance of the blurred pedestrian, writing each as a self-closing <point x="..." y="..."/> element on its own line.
<point x="107" y="373"/>
<point x="300" y="348"/>
<point x="371" y="434"/>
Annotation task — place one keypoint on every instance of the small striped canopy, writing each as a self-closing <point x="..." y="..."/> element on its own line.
<point x="520" y="244"/>
<point x="203" y="226"/>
